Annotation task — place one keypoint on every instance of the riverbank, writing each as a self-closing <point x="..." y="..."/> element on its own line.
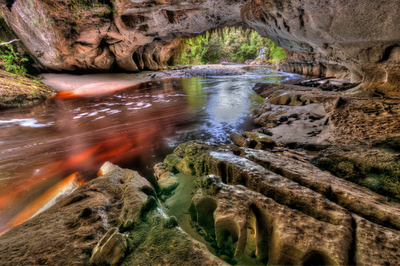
<point x="105" y="82"/>
<point x="18" y="91"/>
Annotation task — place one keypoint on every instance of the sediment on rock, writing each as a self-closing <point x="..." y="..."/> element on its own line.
<point x="372" y="164"/>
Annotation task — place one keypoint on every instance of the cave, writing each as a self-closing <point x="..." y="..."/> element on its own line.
<point x="202" y="132"/>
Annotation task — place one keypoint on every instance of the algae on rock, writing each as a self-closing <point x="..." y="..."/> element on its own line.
<point x="18" y="91"/>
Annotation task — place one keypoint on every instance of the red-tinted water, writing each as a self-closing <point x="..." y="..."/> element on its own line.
<point x="41" y="147"/>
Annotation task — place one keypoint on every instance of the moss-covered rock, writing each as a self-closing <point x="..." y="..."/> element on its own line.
<point x="18" y="91"/>
<point x="373" y="165"/>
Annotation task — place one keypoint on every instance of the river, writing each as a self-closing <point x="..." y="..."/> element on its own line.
<point x="42" y="145"/>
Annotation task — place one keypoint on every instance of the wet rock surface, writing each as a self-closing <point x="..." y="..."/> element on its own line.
<point x="325" y="117"/>
<point x="18" y="91"/>
<point x="121" y="225"/>
<point x="284" y="211"/>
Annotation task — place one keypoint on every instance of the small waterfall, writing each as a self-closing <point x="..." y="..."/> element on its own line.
<point x="261" y="54"/>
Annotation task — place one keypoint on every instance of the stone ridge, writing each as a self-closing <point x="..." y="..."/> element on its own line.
<point x="326" y="220"/>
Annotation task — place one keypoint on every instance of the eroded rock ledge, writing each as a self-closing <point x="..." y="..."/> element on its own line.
<point x="359" y="35"/>
<point x="289" y="212"/>
<point x="101" y="35"/>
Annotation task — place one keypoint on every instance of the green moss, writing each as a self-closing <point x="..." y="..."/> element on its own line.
<point x="383" y="178"/>
<point x="106" y="15"/>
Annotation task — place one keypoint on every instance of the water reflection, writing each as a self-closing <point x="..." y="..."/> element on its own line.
<point x="134" y="128"/>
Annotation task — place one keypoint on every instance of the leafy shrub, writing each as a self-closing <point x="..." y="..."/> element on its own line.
<point x="11" y="60"/>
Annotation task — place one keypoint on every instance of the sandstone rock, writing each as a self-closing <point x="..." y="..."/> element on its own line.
<point x="236" y="170"/>
<point x="166" y="180"/>
<point x="261" y="138"/>
<point x="132" y="35"/>
<point x="328" y="39"/>
<point x="282" y="236"/>
<point x="57" y="236"/>
<point x="371" y="240"/>
<point x="237" y="139"/>
<point x="341" y="115"/>
<point x="17" y="91"/>
<point x="110" y="250"/>
<point x="335" y="34"/>
<point x="300" y="214"/>
<point x="373" y="164"/>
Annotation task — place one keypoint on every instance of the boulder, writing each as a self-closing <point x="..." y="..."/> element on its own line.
<point x="121" y="225"/>
<point x="18" y="91"/>
<point x="110" y="249"/>
<point x="166" y="180"/>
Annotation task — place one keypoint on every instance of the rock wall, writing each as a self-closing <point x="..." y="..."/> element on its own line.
<point x="360" y="35"/>
<point x="69" y="35"/>
<point x="311" y="65"/>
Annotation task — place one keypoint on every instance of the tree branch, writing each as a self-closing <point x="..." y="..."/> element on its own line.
<point x="5" y="43"/>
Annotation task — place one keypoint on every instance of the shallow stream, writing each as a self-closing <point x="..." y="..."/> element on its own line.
<point x="135" y="128"/>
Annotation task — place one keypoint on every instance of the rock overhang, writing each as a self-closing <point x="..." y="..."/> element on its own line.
<point x="361" y="36"/>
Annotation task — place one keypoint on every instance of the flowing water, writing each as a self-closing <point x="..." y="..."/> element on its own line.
<point x="42" y="145"/>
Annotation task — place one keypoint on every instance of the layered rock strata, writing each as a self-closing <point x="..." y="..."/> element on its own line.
<point x="330" y="38"/>
<point x="373" y="164"/>
<point x="311" y="65"/>
<point x="250" y="203"/>
<point x="287" y="211"/>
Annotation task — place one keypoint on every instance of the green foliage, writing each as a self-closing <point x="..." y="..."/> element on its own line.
<point x="275" y="53"/>
<point x="11" y="60"/>
<point x="229" y="43"/>
<point x="106" y="15"/>
<point x="89" y="3"/>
